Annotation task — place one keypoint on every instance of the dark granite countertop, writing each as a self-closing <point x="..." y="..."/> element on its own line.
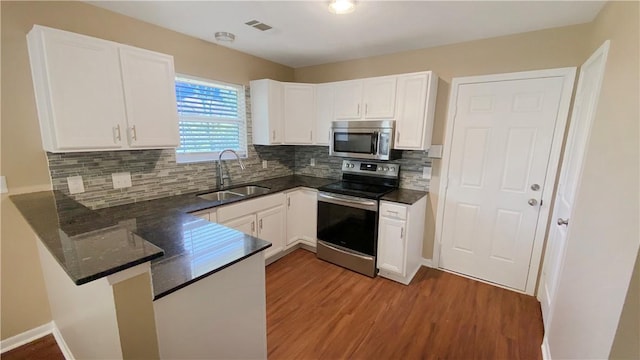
<point x="404" y="196"/>
<point x="90" y="244"/>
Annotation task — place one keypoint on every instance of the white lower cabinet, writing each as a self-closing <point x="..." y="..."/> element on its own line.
<point x="302" y="210"/>
<point x="400" y="237"/>
<point x="246" y="224"/>
<point x="271" y="228"/>
<point x="208" y="214"/>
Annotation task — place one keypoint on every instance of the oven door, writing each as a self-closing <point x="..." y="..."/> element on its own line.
<point x="348" y="222"/>
<point x="355" y="143"/>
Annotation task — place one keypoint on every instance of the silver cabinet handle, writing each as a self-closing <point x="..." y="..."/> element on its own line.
<point x="532" y="202"/>
<point x="288" y="202"/>
<point x="253" y="226"/>
<point x="366" y="109"/>
<point x="117" y="137"/>
<point x="310" y="135"/>
<point x="358" y="109"/>
<point x="273" y="135"/>
<point x="562" y="221"/>
<point x="535" y="187"/>
<point x="397" y="135"/>
<point x="260" y="222"/>
<point x="134" y="133"/>
<point x="401" y="233"/>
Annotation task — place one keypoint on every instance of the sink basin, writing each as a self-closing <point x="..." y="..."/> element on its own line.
<point x="220" y="195"/>
<point x="250" y="190"/>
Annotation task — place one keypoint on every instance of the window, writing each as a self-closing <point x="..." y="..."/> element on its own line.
<point x="212" y="117"/>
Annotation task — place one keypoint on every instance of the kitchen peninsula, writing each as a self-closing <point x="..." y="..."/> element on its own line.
<point x="206" y="280"/>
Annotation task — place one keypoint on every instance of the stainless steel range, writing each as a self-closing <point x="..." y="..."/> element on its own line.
<point x="348" y="214"/>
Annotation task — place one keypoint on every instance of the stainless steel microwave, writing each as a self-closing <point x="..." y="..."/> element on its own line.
<point x="363" y="139"/>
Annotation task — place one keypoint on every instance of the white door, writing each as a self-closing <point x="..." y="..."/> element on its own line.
<point x="302" y="212"/>
<point x="150" y="98"/>
<point x="246" y="224"/>
<point x="86" y="91"/>
<point x="379" y="98"/>
<point x="411" y="107"/>
<point x="392" y="246"/>
<point x="271" y="228"/>
<point x="324" y="113"/>
<point x="502" y="137"/>
<point x="348" y="96"/>
<point x="584" y="108"/>
<point x="299" y="113"/>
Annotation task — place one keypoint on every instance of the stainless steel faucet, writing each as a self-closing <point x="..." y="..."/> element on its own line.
<point x="220" y="172"/>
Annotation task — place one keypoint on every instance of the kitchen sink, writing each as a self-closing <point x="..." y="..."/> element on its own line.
<point x="250" y="190"/>
<point x="220" y="195"/>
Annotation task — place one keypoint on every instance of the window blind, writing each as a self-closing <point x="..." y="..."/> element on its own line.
<point x="212" y="118"/>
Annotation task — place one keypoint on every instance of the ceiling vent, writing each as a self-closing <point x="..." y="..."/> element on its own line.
<point x="258" y="25"/>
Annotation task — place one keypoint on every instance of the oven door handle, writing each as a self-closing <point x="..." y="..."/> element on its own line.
<point x="346" y="200"/>
<point x="324" y="243"/>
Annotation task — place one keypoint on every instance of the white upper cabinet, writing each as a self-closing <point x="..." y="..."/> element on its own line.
<point x="415" y="109"/>
<point x="379" y="98"/>
<point x="324" y="112"/>
<point x="80" y="83"/>
<point x="78" y="91"/>
<point x="347" y="100"/>
<point x="267" y="112"/>
<point x="299" y="113"/>
<point x="373" y="98"/>
<point x="150" y="98"/>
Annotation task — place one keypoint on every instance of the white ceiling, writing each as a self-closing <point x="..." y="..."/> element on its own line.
<point x="305" y="33"/>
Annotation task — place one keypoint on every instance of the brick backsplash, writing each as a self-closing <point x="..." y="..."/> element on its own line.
<point x="155" y="173"/>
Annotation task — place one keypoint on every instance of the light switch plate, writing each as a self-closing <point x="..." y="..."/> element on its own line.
<point x="426" y="172"/>
<point x="3" y="185"/>
<point x="435" y="152"/>
<point x="121" y="180"/>
<point x="312" y="162"/>
<point x="75" y="184"/>
<point x="264" y="164"/>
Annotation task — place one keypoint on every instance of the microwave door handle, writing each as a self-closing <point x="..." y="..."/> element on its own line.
<point x="375" y="140"/>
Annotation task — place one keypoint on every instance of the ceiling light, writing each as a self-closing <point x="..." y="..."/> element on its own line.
<point x="225" y="36"/>
<point x="342" y="6"/>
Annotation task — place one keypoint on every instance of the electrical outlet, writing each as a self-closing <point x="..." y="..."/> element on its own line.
<point x="426" y="172"/>
<point x="3" y="185"/>
<point x="121" y="180"/>
<point x="313" y="162"/>
<point x="264" y="164"/>
<point x="435" y="152"/>
<point x="75" y="184"/>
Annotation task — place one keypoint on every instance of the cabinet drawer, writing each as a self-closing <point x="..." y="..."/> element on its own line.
<point x="391" y="210"/>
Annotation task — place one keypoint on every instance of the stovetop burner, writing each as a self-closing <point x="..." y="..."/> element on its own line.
<point x="368" y="179"/>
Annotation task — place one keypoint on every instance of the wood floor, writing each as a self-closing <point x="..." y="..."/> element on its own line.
<point x="43" y="348"/>
<point x="316" y="310"/>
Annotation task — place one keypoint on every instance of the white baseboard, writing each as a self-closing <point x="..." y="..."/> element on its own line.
<point x="427" y="262"/>
<point x="26" y="337"/>
<point x="546" y="354"/>
<point x="64" y="348"/>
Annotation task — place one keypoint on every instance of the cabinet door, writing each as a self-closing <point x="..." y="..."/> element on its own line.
<point x="267" y="112"/>
<point x="246" y="224"/>
<point x="379" y="98"/>
<point x="78" y="90"/>
<point x="392" y="246"/>
<point x="302" y="216"/>
<point x="324" y="113"/>
<point x="150" y="98"/>
<point x="271" y="228"/>
<point x="348" y="98"/>
<point x="299" y="113"/>
<point x="411" y="106"/>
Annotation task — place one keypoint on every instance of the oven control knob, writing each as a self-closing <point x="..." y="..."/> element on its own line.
<point x="379" y="168"/>
<point x="386" y="168"/>
<point x="351" y="165"/>
<point x="393" y="168"/>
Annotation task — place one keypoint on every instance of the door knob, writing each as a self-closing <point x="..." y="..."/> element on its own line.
<point x="533" y="202"/>
<point x="562" y="221"/>
<point x="535" y="187"/>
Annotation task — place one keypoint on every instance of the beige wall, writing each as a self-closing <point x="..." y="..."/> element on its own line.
<point x="552" y="48"/>
<point x="24" y="303"/>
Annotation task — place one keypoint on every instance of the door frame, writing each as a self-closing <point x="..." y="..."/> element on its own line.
<point x="569" y="75"/>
